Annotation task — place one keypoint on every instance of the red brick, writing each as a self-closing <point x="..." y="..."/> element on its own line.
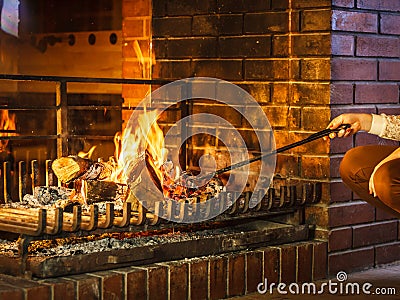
<point x="178" y="280"/>
<point x="343" y="3"/>
<point x="379" y="4"/>
<point x="377" y="233"/>
<point x="377" y="93"/>
<point x="390" y="24"/>
<point x="271" y="264"/>
<point x="315" y="69"/>
<point x="10" y="292"/>
<point x="309" y="93"/>
<point x="340" y="239"/>
<point x="193" y="47"/>
<point x="340" y="145"/>
<point x="342" y="45"/>
<point x="199" y="279"/>
<point x="378" y="46"/>
<point x="254" y="270"/>
<point x="304" y="262"/>
<point x="135" y="8"/>
<point x="318" y="215"/>
<point x="172" y="26"/>
<point x="135" y="282"/>
<point x="236" y="274"/>
<point x="133" y="28"/>
<point x="277" y="115"/>
<point x="314" y="167"/>
<point x="350" y="261"/>
<point x="316" y="20"/>
<point x="354" y="21"/>
<point x="245" y="46"/>
<point x="350" y="109"/>
<point x="340" y="192"/>
<point x="266" y="22"/>
<point x="389" y="110"/>
<point x="310" y="3"/>
<point x="157" y="282"/>
<point x="382" y="215"/>
<point x="288" y="263"/>
<point x="112" y="285"/>
<point x="280" y="46"/>
<point x="315" y="118"/>
<point x="266" y="69"/>
<point x="218" y="277"/>
<point x="230" y="69"/>
<point x="389" y="70"/>
<point x="387" y="253"/>
<point x="320" y="260"/>
<point x="354" y="69"/>
<point x="87" y="286"/>
<point x="363" y="138"/>
<point x="350" y="213"/>
<point x="287" y="165"/>
<point x="335" y="163"/>
<point x="61" y="288"/>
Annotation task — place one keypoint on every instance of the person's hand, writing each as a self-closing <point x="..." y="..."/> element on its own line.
<point x="357" y="121"/>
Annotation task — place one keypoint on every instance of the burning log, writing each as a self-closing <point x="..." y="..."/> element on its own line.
<point x="74" y="167"/>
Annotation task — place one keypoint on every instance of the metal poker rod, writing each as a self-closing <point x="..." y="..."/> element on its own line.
<point x="311" y="138"/>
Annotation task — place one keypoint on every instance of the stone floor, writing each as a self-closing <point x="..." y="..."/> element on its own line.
<point x="383" y="279"/>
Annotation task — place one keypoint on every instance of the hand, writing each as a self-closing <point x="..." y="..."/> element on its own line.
<point x="357" y="121"/>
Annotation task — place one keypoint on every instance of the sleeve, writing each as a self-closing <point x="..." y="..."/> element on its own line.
<point x="387" y="127"/>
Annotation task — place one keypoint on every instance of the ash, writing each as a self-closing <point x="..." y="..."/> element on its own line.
<point x="55" y="197"/>
<point x="113" y="243"/>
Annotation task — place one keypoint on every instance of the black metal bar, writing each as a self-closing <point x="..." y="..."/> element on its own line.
<point x="62" y="119"/>
<point x="84" y="79"/>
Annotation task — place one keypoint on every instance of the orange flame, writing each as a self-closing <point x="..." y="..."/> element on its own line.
<point x="7" y="127"/>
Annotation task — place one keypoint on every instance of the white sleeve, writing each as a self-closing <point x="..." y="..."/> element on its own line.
<point x="378" y="124"/>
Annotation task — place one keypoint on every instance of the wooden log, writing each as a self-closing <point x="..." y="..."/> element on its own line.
<point x="98" y="191"/>
<point x="74" y="167"/>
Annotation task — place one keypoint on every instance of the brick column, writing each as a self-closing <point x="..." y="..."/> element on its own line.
<point x="365" y="78"/>
<point x="136" y="51"/>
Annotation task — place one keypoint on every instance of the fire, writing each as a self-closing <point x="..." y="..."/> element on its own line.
<point x="7" y="127"/>
<point x="139" y="147"/>
<point x="143" y="137"/>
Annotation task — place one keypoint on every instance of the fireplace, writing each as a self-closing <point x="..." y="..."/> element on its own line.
<point x="292" y="57"/>
<point x="45" y="238"/>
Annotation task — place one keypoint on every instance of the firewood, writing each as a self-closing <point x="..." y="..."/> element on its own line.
<point x="74" y="167"/>
<point x="98" y="191"/>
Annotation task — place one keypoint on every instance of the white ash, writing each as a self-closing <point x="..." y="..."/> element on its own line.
<point x="111" y="243"/>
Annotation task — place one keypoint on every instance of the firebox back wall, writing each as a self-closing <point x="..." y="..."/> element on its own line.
<point x="278" y="51"/>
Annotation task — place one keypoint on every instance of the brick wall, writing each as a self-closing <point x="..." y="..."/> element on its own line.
<point x="365" y="78"/>
<point x="211" y="277"/>
<point x="278" y="51"/>
<point x="304" y="62"/>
